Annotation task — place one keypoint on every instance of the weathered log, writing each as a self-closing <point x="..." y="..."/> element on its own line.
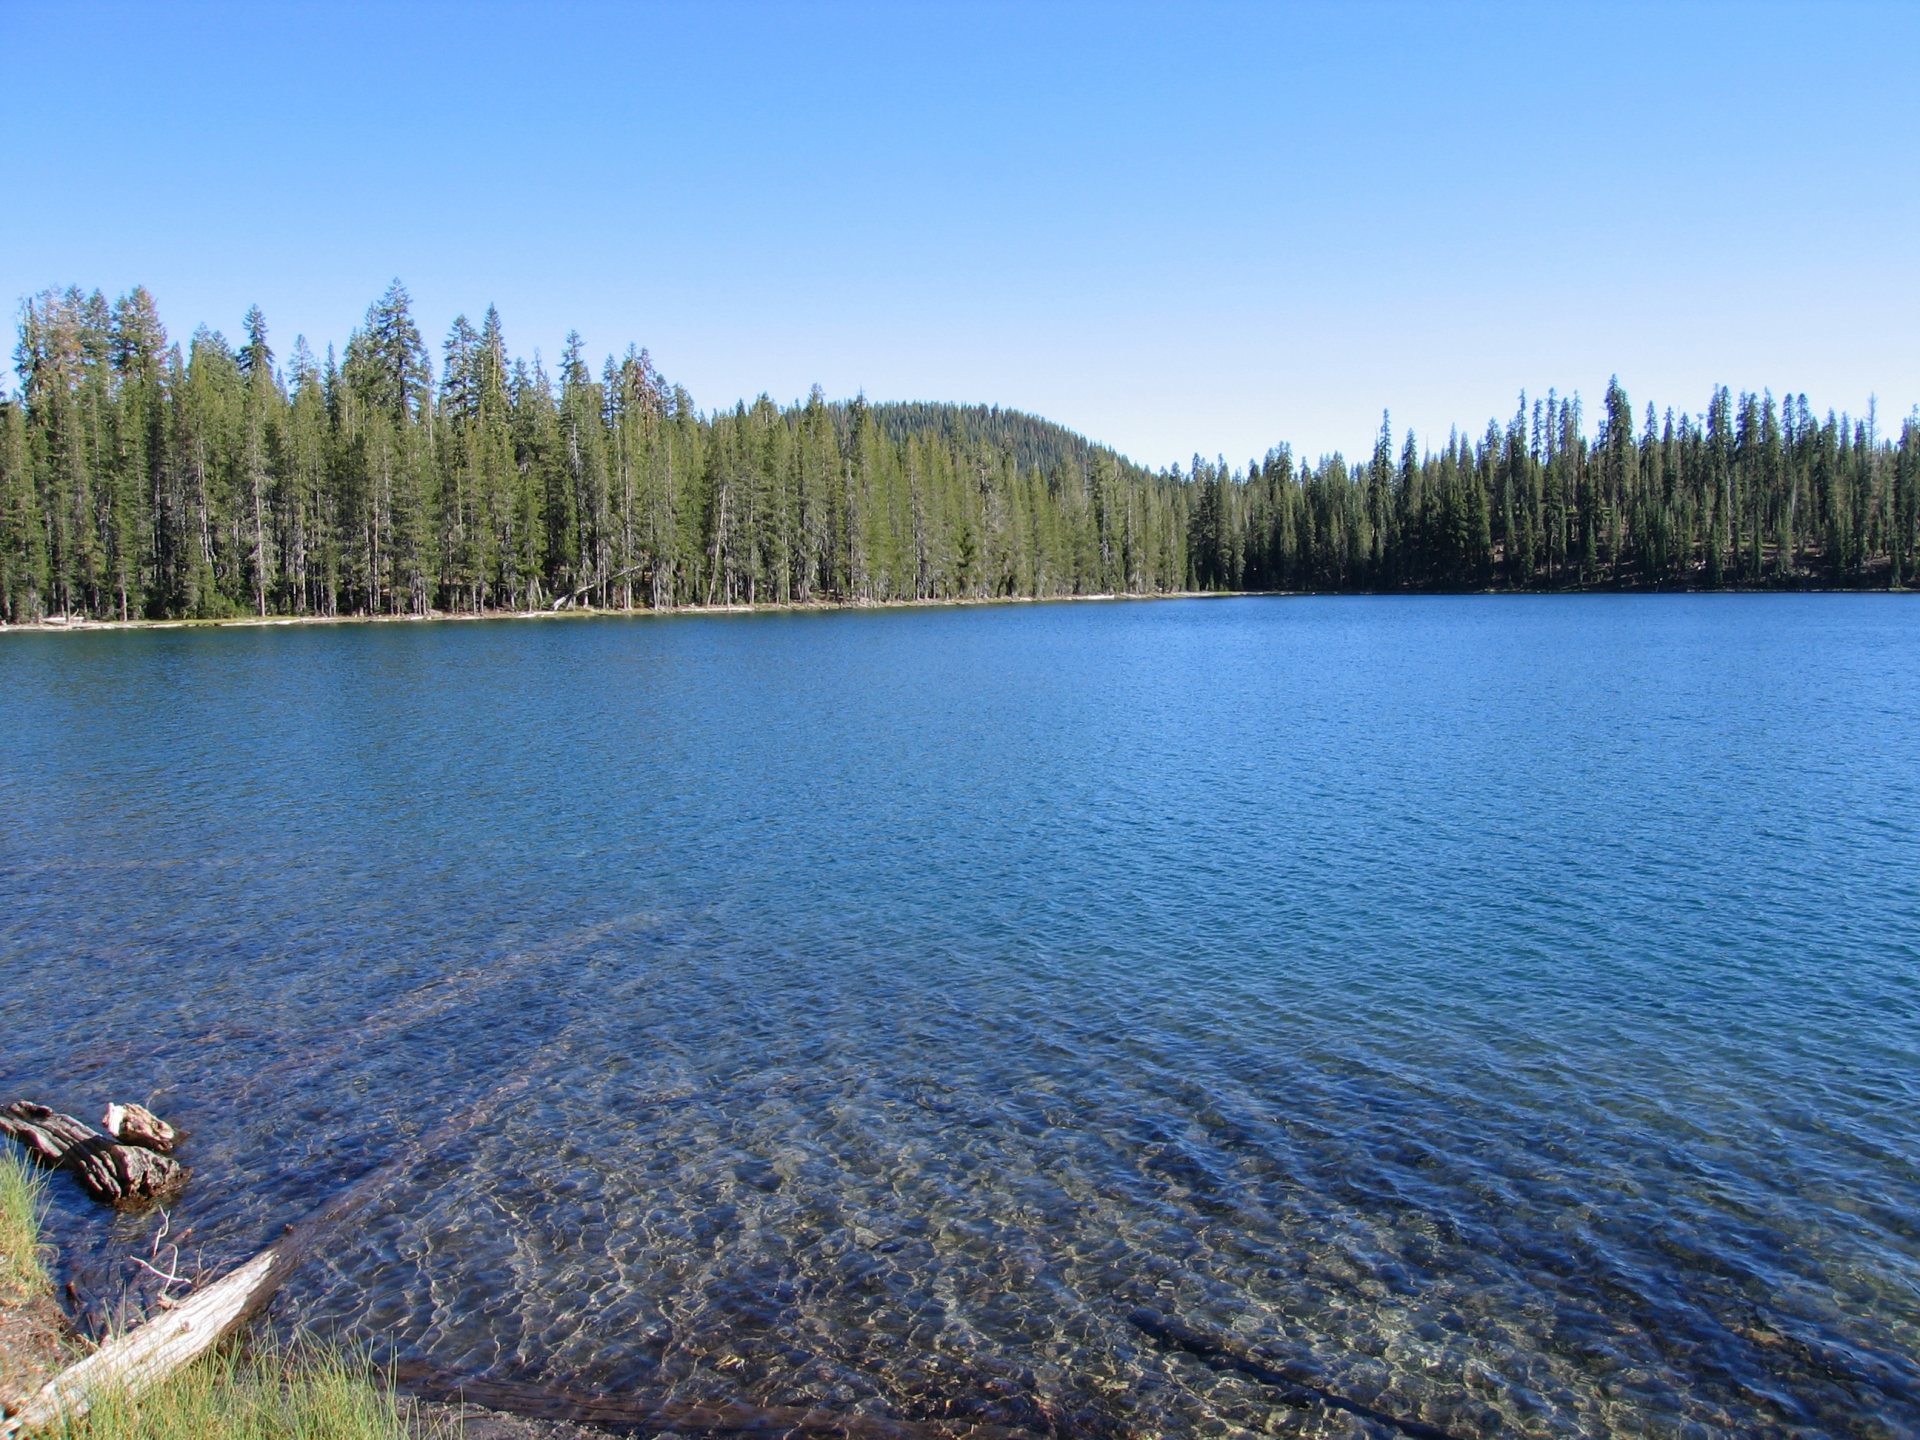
<point x="124" y="1176"/>
<point x="153" y="1351"/>
<point x="137" y="1125"/>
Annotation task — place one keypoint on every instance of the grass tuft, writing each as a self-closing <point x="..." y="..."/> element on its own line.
<point x="264" y="1392"/>
<point x="23" y="1198"/>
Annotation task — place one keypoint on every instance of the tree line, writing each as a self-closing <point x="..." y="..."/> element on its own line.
<point x="139" y="478"/>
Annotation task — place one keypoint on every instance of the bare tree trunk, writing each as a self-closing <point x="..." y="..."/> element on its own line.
<point x="259" y="549"/>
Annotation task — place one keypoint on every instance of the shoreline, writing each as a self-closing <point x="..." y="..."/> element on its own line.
<point x="62" y="624"/>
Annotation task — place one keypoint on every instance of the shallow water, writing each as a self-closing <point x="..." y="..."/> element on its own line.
<point x="1501" y="1015"/>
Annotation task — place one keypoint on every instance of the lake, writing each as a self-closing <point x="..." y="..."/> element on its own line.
<point x="1300" y="1016"/>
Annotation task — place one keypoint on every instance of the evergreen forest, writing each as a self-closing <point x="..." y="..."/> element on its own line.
<point x="140" y="478"/>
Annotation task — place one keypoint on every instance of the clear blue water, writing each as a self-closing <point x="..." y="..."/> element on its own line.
<point x="1500" y="1014"/>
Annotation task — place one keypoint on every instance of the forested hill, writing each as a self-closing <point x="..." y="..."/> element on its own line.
<point x="1031" y="442"/>
<point x="141" y="476"/>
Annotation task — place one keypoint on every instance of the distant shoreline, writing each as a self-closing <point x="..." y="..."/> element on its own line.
<point x="64" y="625"/>
<point x="58" y="625"/>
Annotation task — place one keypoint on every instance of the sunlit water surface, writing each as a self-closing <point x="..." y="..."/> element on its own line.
<point x="1498" y="1015"/>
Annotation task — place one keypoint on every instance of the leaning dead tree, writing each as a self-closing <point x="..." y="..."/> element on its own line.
<point x="124" y="1176"/>
<point x="563" y="602"/>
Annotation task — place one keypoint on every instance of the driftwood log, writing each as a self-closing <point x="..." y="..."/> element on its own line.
<point x="154" y="1350"/>
<point x="124" y="1176"/>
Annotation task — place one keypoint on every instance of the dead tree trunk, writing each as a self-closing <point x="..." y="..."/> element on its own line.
<point x="126" y="1177"/>
<point x="562" y="602"/>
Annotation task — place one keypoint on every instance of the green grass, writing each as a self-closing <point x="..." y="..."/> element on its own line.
<point x="23" y="1196"/>
<point x="301" y="1392"/>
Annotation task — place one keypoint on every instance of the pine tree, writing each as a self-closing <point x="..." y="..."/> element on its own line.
<point x="23" y="549"/>
<point x="259" y="409"/>
<point x="140" y="445"/>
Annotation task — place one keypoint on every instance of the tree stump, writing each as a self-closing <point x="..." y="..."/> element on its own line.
<point x="126" y="1177"/>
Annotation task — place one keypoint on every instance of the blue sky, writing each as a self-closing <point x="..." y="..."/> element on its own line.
<point x="1206" y="229"/>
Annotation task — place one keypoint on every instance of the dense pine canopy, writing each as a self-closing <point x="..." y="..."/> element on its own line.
<point x="138" y="479"/>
